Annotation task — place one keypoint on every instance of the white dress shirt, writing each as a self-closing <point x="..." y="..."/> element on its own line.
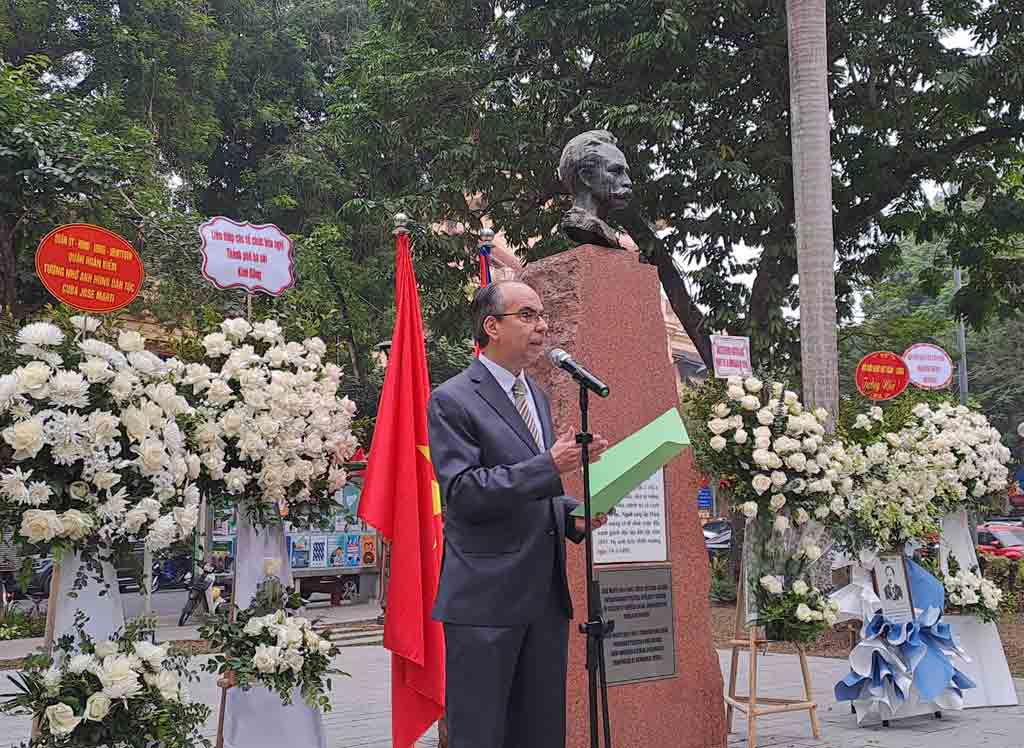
<point x="505" y="380"/>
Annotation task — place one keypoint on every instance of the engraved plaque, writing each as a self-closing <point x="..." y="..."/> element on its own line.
<point x="642" y="646"/>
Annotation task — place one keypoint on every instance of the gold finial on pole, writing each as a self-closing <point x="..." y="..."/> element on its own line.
<point x="401" y="221"/>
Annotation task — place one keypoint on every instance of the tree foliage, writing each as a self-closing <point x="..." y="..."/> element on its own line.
<point x="698" y="94"/>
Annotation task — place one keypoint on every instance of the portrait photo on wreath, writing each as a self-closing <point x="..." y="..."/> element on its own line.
<point x="891" y="586"/>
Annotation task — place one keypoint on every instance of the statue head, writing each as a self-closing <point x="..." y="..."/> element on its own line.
<point x="595" y="171"/>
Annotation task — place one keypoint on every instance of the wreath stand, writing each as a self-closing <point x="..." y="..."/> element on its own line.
<point x="751" y="640"/>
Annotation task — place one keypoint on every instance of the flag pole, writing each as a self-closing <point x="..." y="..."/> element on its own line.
<point x="485" y="246"/>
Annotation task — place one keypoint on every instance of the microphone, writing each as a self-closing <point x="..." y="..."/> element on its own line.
<point x="563" y="360"/>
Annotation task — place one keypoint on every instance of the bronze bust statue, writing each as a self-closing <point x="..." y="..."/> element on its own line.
<point x="594" y="170"/>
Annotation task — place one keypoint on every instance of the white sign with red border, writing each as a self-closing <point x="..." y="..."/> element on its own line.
<point x="256" y="257"/>
<point x="731" y="354"/>
<point x="929" y="366"/>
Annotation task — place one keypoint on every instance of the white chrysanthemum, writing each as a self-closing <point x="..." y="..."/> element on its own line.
<point x="40" y="334"/>
<point x="69" y="389"/>
<point x="107" y="352"/>
<point x="96" y="370"/>
<point x="85" y="324"/>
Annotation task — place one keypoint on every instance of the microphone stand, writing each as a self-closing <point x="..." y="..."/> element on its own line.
<point x="596" y="628"/>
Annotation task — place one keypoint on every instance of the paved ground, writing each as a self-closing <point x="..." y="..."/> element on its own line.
<point x="361" y="715"/>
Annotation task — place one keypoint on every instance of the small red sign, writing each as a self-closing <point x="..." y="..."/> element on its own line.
<point x="89" y="268"/>
<point x="882" y="375"/>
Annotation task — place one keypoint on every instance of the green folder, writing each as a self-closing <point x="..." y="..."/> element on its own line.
<point x="633" y="460"/>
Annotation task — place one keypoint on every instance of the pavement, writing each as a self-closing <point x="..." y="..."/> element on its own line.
<point x="361" y="714"/>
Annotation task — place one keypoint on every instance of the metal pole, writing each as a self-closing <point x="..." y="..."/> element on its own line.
<point x="961" y="337"/>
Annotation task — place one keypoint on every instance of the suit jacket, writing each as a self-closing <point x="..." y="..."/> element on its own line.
<point x="505" y="512"/>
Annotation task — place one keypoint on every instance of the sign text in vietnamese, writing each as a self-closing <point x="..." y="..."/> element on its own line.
<point x="643" y="644"/>
<point x="731" y="355"/>
<point x="881" y="375"/>
<point x="255" y="257"/>
<point x="89" y="268"/>
<point x="636" y="532"/>
<point x="930" y="367"/>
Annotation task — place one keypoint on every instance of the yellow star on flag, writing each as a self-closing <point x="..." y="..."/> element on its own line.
<point x="434" y="485"/>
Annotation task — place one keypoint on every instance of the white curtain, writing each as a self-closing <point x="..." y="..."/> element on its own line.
<point x="105" y="612"/>
<point x="257" y="718"/>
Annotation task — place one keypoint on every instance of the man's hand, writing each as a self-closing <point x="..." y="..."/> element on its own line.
<point x="565" y="452"/>
<point x="597" y="521"/>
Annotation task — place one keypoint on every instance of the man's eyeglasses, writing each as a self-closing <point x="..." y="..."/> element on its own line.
<point x="527" y="315"/>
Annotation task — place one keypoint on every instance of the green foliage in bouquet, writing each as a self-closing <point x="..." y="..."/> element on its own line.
<point x="121" y="693"/>
<point x="266" y="644"/>
<point x="792" y="611"/>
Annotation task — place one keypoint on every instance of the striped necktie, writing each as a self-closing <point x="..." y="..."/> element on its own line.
<point x="519" y="393"/>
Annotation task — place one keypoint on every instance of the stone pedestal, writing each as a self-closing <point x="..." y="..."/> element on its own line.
<point x="603" y="307"/>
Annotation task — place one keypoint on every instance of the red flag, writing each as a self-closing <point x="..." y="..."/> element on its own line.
<point x="402" y="499"/>
<point x="485" y="279"/>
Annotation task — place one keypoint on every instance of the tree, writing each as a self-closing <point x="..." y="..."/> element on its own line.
<point x="812" y="184"/>
<point x="62" y="159"/>
<point x="697" y="95"/>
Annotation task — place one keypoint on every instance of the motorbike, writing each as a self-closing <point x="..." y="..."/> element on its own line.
<point x="200" y="592"/>
<point x="169" y="573"/>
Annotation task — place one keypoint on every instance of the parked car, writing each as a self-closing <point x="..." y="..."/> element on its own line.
<point x="1001" y="539"/>
<point x="720" y="544"/>
<point x="715" y="527"/>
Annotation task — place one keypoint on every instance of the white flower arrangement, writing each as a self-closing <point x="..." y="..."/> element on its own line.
<point x="93" y="443"/>
<point x="939" y="460"/>
<point x="118" y="693"/>
<point x="279" y="651"/>
<point x="969" y="593"/>
<point x="272" y="429"/>
<point x="792" y="609"/>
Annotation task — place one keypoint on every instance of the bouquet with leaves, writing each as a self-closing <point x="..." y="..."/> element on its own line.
<point x="793" y="610"/>
<point x="121" y="693"/>
<point x="914" y="465"/>
<point x="968" y="592"/>
<point x="272" y="431"/>
<point x="267" y="644"/>
<point x="93" y="446"/>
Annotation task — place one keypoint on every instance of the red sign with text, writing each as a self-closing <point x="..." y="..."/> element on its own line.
<point x="89" y="268"/>
<point x="882" y="375"/>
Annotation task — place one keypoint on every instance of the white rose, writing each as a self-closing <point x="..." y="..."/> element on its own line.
<point x="32" y="379"/>
<point x="76" y="524"/>
<point x="761" y="483"/>
<point x="800" y="587"/>
<point x="778" y="478"/>
<point x="134" y="520"/>
<point x="722" y="410"/>
<point x="804" y="613"/>
<point x="778" y="501"/>
<point x="781" y="523"/>
<point x="717" y="443"/>
<point x="718" y="425"/>
<point x="749" y="509"/>
<point x="293" y="660"/>
<point x="105" y="649"/>
<point x="26" y="437"/>
<point x="236" y="328"/>
<point x="797" y="460"/>
<point x="762" y="457"/>
<point x="740" y="436"/>
<point x="166" y="683"/>
<point x="750" y="402"/>
<point x="80" y="663"/>
<point x="324" y="646"/>
<point x="131" y="341"/>
<point x="802" y="517"/>
<point x="837" y="505"/>
<point x="735" y="392"/>
<point x="97" y="707"/>
<point x="812" y="552"/>
<point x="62" y="719"/>
<point x="772" y="584"/>
<point x="105" y="480"/>
<point x="136" y="423"/>
<point x="765" y="417"/>
<point x="151" y="455"/>
<point x="151" y="653"/>
<point x="753" y="384"/>
<point x="266" y="658"/>
<point x="41" y="525"/>
<point x="790" y="398"/>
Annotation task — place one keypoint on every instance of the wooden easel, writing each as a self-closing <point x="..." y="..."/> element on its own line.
<point x="751" y="639"/>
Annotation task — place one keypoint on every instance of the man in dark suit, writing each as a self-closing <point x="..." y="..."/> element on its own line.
<point x="503" y="595"/>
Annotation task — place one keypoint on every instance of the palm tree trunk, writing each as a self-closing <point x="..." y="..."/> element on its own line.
<point x="812" y="188"/>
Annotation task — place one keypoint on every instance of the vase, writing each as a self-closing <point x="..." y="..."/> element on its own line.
<point x="256" y="718"/>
